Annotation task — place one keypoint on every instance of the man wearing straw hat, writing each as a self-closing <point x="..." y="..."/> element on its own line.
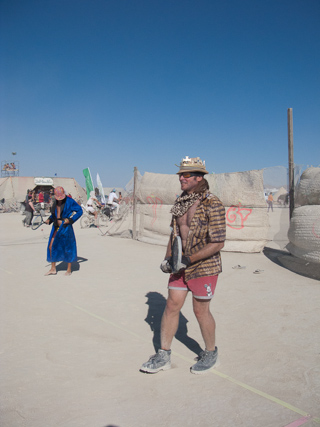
<point x="194" y="261"/>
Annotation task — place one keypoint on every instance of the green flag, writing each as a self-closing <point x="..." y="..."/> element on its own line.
<point x="89" y="183"/>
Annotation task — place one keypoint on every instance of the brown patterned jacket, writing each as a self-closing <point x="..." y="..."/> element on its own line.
<point x="208" y="225"/>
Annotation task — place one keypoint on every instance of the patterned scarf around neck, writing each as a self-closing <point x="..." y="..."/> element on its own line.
<point x="183" y="203"/>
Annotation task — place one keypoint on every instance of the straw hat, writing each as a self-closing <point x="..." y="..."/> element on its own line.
<point x="194" y="164"/>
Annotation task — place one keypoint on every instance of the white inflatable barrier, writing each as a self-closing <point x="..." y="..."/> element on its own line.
<point x="308" y="189"/>
<point x="304" y="233"/>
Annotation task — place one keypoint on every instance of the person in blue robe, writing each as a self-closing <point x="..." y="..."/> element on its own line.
<point x="62" y="241"/>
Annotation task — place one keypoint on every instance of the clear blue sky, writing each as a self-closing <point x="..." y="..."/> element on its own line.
<point x="113" y="84"/>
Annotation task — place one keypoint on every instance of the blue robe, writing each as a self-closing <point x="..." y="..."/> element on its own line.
<point x="64" y="246"/>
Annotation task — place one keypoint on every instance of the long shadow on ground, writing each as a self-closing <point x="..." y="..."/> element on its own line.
<point x="157" y="303"/>
<point x="292" y="263"/>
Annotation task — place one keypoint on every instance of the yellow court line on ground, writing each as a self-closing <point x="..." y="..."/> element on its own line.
<point x="213" y="371"/>
<point x="256" y="391"/>
<point x="6" y="271"/>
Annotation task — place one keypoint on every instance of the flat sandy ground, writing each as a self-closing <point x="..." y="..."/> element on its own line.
<point x="71" y="347"/>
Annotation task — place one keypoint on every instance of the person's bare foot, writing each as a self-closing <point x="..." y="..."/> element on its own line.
<point x="67" y="273"/>
<point x="51" y="273"/>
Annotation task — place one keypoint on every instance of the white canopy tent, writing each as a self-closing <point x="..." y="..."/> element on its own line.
<point x="15" y="188"/>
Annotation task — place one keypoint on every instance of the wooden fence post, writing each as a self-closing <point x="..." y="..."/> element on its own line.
<point x="134" y="218"/>
<point x="291" y="162"/>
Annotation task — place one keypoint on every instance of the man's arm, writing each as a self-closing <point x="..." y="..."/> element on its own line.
<point x="206" y="252"/>
<point x="166" y="266"/>
<point x="168" y="253"/>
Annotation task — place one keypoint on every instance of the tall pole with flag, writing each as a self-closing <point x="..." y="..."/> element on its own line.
<point x="99" y="185"/>
<point x="89" y="182"/>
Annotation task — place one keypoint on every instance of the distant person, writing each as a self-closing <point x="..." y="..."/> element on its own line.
<point x="194" y="263"/>
<point x="120" y="197"/>
<point x="41" y="197"/>
<point x="46" y="197"/>
<point x="113" y="199"/>
<point x="52" y="198"/>
<point x="97" y="194"/>
<point x="27" y="195"/>
<point x="26" y="222"/>
<point x="92" y="206"/>
<point x="270" y="202"/>
<point x="62" y="242"/>
<point x="33" y="197"/>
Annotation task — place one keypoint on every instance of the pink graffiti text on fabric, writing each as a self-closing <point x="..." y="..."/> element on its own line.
<point x="237" y="212"/>
<point x="155" y="202"/>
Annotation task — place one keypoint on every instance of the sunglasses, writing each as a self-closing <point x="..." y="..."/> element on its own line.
<point x="189" y="174"/>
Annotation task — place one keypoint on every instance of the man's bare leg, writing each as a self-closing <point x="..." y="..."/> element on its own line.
<point x="170" y="317"/>
<point x="208" y="359"/>
<point x="169" y="325"/>
<point x="206" y="322"/>
<point x="68" y="272"/>
<point x="52" y="270"/>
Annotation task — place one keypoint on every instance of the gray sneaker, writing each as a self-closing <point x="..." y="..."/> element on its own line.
<point x="206" y="361"/>
<point x="157" y="362"/>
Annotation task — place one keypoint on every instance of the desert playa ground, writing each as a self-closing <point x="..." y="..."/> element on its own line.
<point x="71" y="347"/>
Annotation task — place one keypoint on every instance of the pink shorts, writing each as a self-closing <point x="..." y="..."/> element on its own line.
<point x="201" y="287"/>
